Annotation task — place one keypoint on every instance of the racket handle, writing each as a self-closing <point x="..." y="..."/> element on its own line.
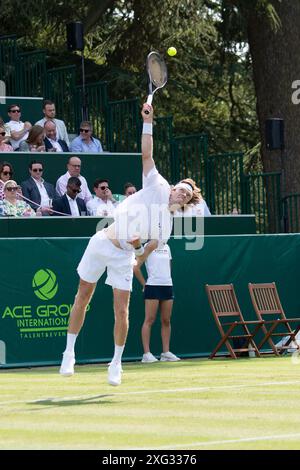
<point x="149" y="101"/>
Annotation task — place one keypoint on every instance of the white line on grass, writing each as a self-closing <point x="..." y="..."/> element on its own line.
<point x="146" y="392"/>
<point x="228" y="441"/>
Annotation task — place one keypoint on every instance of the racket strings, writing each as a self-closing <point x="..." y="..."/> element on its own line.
<point x="157" y="71"/>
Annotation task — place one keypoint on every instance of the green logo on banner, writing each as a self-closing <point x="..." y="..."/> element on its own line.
<point x="45" y="284"/>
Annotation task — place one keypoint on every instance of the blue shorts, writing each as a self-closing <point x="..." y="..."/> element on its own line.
<point x="158" y="292"/>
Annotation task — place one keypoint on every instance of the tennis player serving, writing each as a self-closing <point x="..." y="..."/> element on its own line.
<point x="145" y="215"/>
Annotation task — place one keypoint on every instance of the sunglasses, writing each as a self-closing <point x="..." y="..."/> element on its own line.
<point x="85" y="130"/>
<point x="104" y="187"/>
<point x="37" y="169"/>
<point x="75" y="190"/>
<point x="2" y="133"/>
<point x="15" y="111"/>
<point x="11" y="188"/>
<point x="6" y="173"/>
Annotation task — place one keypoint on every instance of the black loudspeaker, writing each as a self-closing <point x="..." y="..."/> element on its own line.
<point x="75" y="40"/>
<point x="275" y="134"/>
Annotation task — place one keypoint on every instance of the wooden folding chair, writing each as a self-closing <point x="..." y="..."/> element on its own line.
<point x="267" y="305"/>
<point x="224" y="306"/>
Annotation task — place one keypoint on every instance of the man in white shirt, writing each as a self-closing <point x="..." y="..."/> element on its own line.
<point x="102" y="204"/>
<point x="73" y="167"/>
<point x="49" y="114"/>
<point x="18" y="129"/>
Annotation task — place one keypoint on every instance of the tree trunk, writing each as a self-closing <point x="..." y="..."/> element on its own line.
<point x="276" y="65"/>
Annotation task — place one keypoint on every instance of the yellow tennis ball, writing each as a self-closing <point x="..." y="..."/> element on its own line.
<point x="172" y="51"/>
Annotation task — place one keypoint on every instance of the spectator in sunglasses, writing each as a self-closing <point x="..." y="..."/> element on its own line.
<point x="3" y="137"/>
<point x="85" y="142"/>
<point x="18" y="129"/>
<point x="39" y="192"/>
<point x="6" y="173"/>
<point x="73" y="169"/>
<point x="34" y="141"/>
<point x="102" y="204"/>
<point x="11" y="205"/>
<point x="70" y="203"/>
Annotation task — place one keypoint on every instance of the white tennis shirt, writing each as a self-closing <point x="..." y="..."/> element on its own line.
<point x="158" y="267"/>
<point x="146" y="212"/>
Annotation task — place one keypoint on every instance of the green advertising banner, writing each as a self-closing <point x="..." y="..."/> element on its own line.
<point x="38" y="281"/>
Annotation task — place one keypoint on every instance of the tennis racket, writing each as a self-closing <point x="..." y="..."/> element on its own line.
<point x="157" y="73"/>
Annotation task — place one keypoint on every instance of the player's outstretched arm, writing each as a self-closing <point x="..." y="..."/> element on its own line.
<point x="147" y="140"/>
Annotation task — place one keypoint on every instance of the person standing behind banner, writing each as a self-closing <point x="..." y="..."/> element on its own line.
<point x="158" y="294"/>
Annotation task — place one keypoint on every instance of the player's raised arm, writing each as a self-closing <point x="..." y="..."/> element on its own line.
<point x="147" y="140"/>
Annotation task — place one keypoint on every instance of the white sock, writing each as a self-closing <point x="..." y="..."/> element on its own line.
<point x="118" y="353"/>
<point x="71" y="339"/>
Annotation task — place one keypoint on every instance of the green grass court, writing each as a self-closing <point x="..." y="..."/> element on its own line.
<point x="193" y="404"/>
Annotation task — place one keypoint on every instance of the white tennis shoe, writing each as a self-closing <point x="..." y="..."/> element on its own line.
<point x="67" y="365"/>
<point x="169" y="357"/>
<point x="148" y="358"/>
<point x="114" y="373"/>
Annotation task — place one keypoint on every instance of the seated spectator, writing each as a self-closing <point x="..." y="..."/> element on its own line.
<point x="39" y="193"/>
<point x="235" y="211"/>
<point x="11" y="205"/>
<point x="6" y="173"/>
<point x="73" y="167"/>
<point x="34" y="141"/>
<point x="198" y="208"/>
<point x="17" y="128"/>
<point x="3" y="137"/>
<point x="7" y="131"/>
<point x="52" y="143"/>
<point x="70" y="203"/>
<point x="102" y="204"/>
<point x="49" y="115"/>
<point x="85" y="142"/>
<point x="129" y="189"/>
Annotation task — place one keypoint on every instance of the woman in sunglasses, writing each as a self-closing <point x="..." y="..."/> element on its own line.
<point x="6" y="173"/>
<point x="34" y="141"/>
<point x="3" y="137"/>
<point x="11" y="205"/>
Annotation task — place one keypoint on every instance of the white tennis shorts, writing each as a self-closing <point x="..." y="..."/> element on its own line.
<point x="102" y="254"/>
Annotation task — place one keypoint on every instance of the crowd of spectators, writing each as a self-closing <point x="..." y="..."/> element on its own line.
<point x="71" y="194"/>
<point x="49" y="134"/>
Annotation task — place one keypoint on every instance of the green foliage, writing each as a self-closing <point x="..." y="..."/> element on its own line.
<point x="210" y="80"/>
